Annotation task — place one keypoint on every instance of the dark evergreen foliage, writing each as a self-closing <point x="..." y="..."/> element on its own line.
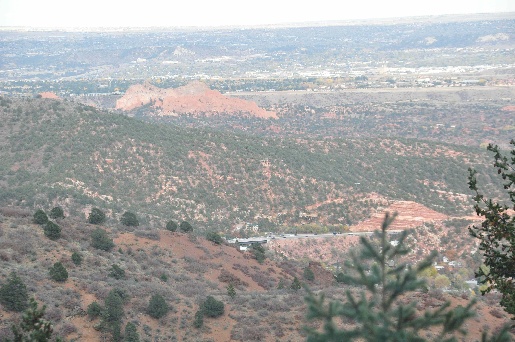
<point x="96" y="216"/>
<point x="40" y="217"/>
<point x="497" y="232"/>
<point x="117" y="272"/>
<point x="129" y="219"/>
<point x="56" y="213"/>
<point x="94" y="310"/>
<point x="171" y="226"/>
<point x="113" y="309"/>
<point x="185" y="227"/>
<point x="258" y="251"/>
<point x="77" y="258"/>
<point x="100" y="240"/>
<point x="157" y="307"/>
<point x="295" y="284"/>
<point x="52" y="230"/>
<point x="13" y="294"/>
<point x="199" y="319"/>
<point x="58" y="272"/>
<point x="212" y="307"/>
<point x="131" y="333"/>
<point x="231" y="292"/>
<point x="308" y="274"/>
<point x="381" y="314"/>
<point x="214" y="237"/>
<point x="33" y="328"/>
<point x="340" y="277"/>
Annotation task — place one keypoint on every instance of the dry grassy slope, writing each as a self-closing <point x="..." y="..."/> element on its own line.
<point x="193" y="267"/>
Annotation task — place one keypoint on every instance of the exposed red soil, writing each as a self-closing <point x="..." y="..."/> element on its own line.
<point x="194" y="98"/>
<point x="49" y="95"/>
<point x="410" y="215"/>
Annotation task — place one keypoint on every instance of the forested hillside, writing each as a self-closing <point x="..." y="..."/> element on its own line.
<point x="59" y="152"/>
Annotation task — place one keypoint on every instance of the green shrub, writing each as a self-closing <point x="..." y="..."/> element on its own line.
<point x="231" y="292"/>
<point x="171" y="226"/>
<point x="212" y="307"/>
<point x="340" y="277"/>
<point x="131" y="333"/>
<point x="157" y="306"/>
<point x="40" y="217"/>
<point x="295" y="284"/>
<point x="129" y="219"/>
<point x="199" y="319"/>
<point x="258" y="251"/>
<point x="76" y="258"/>
<point x="13" y="294"/>
<point x="52" y="230"/>
<point x="58" y="272"/>
<point x="100" y="240"/>
<point x="185" y="227"/>
<point x="94" y="310"/>
<point x="214" y="237"/>
<point x="117" y="272"/>
<point x="308" y="274"/>
<point x="96" y="216"/>
<point x="56" y="212"/>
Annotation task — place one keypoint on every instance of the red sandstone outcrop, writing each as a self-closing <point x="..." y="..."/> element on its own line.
<point x="193" y="98"/>
<point x="49" y="95"/>
<point x="410" y="215"/>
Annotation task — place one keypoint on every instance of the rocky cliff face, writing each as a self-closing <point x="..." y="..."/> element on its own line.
<point x="193" y="98"/>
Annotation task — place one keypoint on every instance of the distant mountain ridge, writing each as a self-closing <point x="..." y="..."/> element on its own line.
<point x="193" y="98"/>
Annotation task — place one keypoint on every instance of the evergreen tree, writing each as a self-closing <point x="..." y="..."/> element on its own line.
<point x="340" y="277"/>
<point x="157" y="306"/>
<point x="308" y="274"/>
<point x="258" y="251"/>
<point x="129" y="219"/>
<point x="231" y="291"/>
<point x="199" y="319"/>
<point x="131" y="333"/>
<point x="58" y="272"/>
<point x="76" y="258"/>
<point x="33" y="328"/>
<point x="94" y="310"/>
<point x="214" y="237"/>
<point x="96" y="216"/>
<point x="295" y="284"/>
<point x="116" y="331"/>
<point x="52" y="230"/>
<point x="117" y="272"/>
<point x="185" y="227"/>
<point x="56" y="212"/>
<point x="212" y="307"/>
<point x="380" y="315"/>
<point x="113" y="309"/>
<point x="40" y="217"/>
<point x="100" y="240"/>
<point x="171" y="226"/>
<point x="497" y="232"/>
<point x="13" y="294"/>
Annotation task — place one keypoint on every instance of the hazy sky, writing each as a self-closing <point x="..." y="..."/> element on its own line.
<point x="146" y="13"/>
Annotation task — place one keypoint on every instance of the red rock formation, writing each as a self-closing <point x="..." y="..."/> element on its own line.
<point x="49" y="95"/>
<point x="194" y="98"/>
<point x="410" y="215"/>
